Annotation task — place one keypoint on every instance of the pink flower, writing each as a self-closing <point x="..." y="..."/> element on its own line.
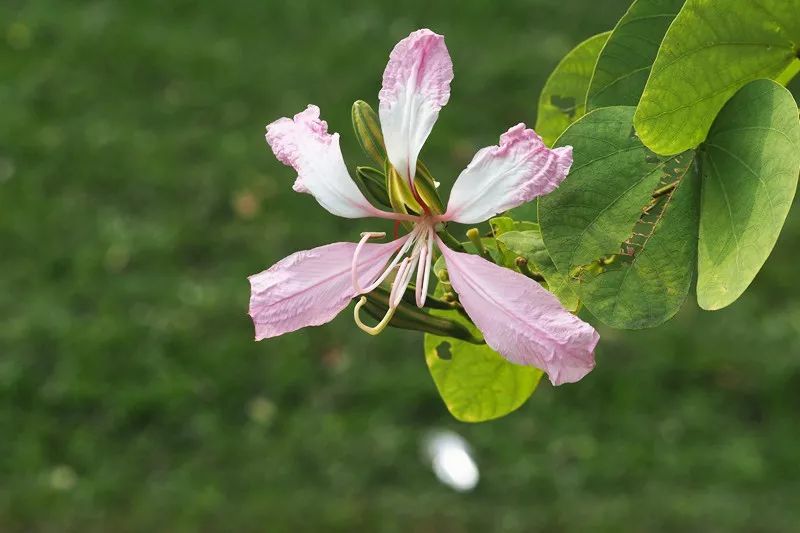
<point x="519" y="319"/>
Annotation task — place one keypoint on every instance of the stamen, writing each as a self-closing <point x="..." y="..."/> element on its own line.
<point x="428" y="266"/>
<point x="419" y="295"/>
<point x="402" y="279"/>
<point x="400" y="253"/>
<point x="367" y="235"/>
<point x="410" y="238"/>
<point x="372" y="330"/>
<point x="398" y="282"/>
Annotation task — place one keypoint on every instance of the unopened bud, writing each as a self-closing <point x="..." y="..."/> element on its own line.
<point x="368" y="131"/>
<point x="474" y="237"/>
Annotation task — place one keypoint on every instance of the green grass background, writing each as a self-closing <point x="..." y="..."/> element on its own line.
<point x="137" y="194"/>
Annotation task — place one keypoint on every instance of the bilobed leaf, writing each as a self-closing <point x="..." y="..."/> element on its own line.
<point x="529" y="244"/>
<point x="710" y="51"/>
<point x="750" y="164"/>
<point x="475" y="382"/>
<point x="624" y="62"/>
<point x="563" y="98"/>
<point x="623" y="225"/>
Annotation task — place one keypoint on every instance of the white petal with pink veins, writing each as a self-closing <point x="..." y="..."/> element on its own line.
<point x="303" y="143"/>
<point x="311" y="287"/>
<point x="416" y="85"/>
<point x="520" y="319"/>
<point x="501" y="177"/>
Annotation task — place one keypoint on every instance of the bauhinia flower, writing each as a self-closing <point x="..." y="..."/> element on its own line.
<point x="518" y="318"/>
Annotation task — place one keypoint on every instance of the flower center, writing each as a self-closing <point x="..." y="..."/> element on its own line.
<point x="415" y="255"/>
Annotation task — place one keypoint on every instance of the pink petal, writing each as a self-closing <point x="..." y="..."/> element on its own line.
<point x="416" y="85"/>
<point x="521" y="320"/>
<point x="304" y="144"/>
<point x="502" y="177"/>
<point x="311" y="287"/>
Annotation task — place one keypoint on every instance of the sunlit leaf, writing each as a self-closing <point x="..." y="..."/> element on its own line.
<point x="563" y="98"/>
<point x="623" y="225"/>
<point x="475" y="382"/>
<point x="710" y="51"/>
<point x="750" y="167"/>
<point x="624" y="63"/>
<point x="502" y="225"/>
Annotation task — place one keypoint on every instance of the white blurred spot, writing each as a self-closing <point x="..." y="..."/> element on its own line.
<point x="451" y="460"/>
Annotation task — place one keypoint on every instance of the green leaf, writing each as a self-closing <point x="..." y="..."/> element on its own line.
<point x="563" y="98"/>
<point x="791" y="71"/>
<point x="526" y="211"/>
<point x="624" y="63"/>
<point x="502" y="225"/>
<point x="750" y="167"/>
<point x="628" y="247"/>
<point x="529" y="244"/>
<point x="475" y="382"/>
<point x="710" y="51"/>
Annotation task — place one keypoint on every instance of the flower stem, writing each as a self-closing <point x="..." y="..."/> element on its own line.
<point x="524" y="268"/>
<point x="449" y="240"/>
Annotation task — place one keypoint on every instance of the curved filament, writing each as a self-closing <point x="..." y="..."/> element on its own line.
<point x="372" y="330"/>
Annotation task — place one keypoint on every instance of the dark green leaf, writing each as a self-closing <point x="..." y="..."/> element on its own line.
<point x="624" y="63"/>
<point x="750" y="166"/>
<point x="563" y="98"/>
<point x="623" y="225"/>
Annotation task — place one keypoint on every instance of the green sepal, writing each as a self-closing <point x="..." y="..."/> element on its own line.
<point x="373" y="182"/>
<point x="400" y="196"/>
<point x="409" y="316"/>
<point x="427" y="190"/>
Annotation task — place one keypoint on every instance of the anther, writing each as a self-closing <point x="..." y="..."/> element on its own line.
<point x="353" y="269"/>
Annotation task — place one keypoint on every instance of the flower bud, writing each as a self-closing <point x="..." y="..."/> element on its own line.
<point x="474" y="237"/>
<point x="368" y="131"/>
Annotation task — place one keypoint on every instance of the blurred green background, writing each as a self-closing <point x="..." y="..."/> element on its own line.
<point x="137" y="194"/>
